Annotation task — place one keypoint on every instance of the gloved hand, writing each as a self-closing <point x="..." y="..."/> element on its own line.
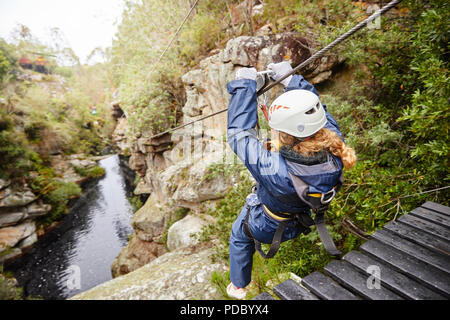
<point x="280" y="70"/>
<point x="246" y="73"/>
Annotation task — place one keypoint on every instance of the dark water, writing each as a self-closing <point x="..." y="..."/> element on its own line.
<point x="77" y="255"/>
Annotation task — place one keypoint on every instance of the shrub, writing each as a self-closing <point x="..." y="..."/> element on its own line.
<point x="4" y="66"/>
<point x="15" y="157"/>
<point x="58" y="195"/>
<point x="94" y="172"/>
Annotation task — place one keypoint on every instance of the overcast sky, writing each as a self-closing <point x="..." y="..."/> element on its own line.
<point x="86" y="24"/>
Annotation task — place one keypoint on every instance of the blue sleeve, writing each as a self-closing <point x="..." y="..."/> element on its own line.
<point x="298" y="82"/>
<point x="241" y="133"/>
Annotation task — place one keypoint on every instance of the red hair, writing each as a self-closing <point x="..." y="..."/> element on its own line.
<point x="324" y="139"/>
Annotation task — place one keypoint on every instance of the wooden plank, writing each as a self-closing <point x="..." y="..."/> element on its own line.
<point x="290" y="290"/>
<point x="432" y="216"/>
<point x="420" y="271"/>
<point x="437" y="207"/>
<point x="352" y="279"/>
<point x="439" y="261"/>
<point x="419" y="237"/>
<point x="264" y="296"/>
<point x="426" y="226"/>
<point x="325" y="288"/>
<point x="391" y="279"/>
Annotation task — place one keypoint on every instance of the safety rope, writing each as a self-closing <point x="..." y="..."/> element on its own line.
<point x="315" y="56"/>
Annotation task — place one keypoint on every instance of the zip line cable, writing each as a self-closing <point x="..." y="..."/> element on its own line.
<point x="178" y="31"/>
<point x="175" y="36"/>
<point x="315" y="56"/>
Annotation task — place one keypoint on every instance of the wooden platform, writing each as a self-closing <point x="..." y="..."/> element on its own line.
<point x="406" y="259"/>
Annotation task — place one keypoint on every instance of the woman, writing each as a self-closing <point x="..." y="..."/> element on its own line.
<point x="307" y="137"/>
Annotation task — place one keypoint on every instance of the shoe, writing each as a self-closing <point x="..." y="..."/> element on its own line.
<point x="235" y="292"/>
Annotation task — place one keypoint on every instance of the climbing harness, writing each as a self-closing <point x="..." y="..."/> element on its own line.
<point x="315" y="56"/>
<point x="318" y="203"/>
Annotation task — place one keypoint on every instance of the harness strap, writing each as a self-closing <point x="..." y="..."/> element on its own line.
<point x="319" y="204"/>
<point x="279" y="216"/>
<point x="276" y="241"/>
<point x="324" y="235"/>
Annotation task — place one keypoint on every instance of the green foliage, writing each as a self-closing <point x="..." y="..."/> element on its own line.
<point x="4" y="66"/>
<point x="54" y="192"/>
<point x="201" y="35"/>
<point x="149" y="83"/>
<point x="58" y="195"/>
<point x="9" y="291"/>
<point x="92" y="173"/>
<point x="15" y="157"/>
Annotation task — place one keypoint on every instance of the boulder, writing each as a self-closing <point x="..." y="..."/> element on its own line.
<point x="37" y="209"/>
<point x="11" y="218"/>
<point x="10" y="197"/>
<point x="259" y="51"/>
<point x="137" y="163"/>
<point x="148" y="221"/>
<point x="136" y="254"/>
<point x="12" y="215"/>
<point x="83" y="163"/>
<point x="28" y="241"/>
<point x="64" y="168"/>
<point x="10" y="236"/>
<point x="183" y="232"/>
<point x="178" y="275"/>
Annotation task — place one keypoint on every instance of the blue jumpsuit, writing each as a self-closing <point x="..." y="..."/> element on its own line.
<point x="270" y="170"/>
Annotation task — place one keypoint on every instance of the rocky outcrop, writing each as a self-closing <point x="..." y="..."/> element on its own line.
<point x="19" y="207"/>
<point x="145" y="245"/>
<point x="66" y="166"/>
<point x="177" y="275"/>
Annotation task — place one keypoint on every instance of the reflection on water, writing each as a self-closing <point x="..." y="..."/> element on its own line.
<point x="77" y="255"/>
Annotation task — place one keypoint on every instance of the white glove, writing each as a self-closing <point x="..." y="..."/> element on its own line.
<point x="246" y="73"/>
<point x="280" y="70"/>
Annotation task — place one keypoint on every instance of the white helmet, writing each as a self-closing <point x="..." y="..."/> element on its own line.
<point x="298" y="113"/>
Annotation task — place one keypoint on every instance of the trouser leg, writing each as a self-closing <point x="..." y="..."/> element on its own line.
<point x="242" y="249"/>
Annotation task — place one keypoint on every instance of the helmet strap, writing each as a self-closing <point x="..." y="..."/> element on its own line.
<point x="300" y="140"/>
